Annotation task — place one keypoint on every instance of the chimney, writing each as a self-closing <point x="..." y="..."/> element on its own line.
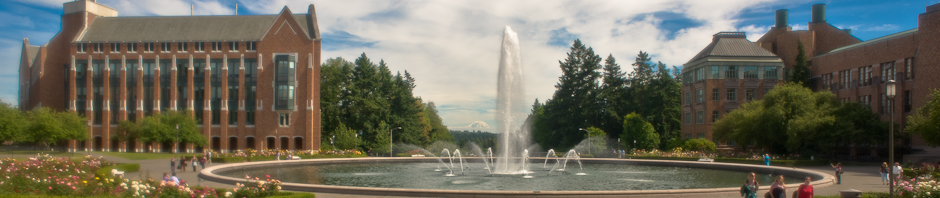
<point x="819" y="13"/>
<point x="782" y="19"/>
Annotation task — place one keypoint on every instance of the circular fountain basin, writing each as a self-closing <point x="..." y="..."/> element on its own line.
<point x="416" y="177"/>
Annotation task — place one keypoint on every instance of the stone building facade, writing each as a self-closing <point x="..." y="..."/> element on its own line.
<point x="252" y="81"/>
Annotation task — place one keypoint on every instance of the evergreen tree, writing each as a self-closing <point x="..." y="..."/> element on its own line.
<point x="575" y="103"/>
<point x="613" y="93"/>
<point x="801" y="73"/>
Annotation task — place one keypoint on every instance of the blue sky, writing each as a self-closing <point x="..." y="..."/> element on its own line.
<point x="452" y="47"/>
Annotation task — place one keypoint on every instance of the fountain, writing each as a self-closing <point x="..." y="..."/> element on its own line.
<point x="510" y="107"/>
<point x="410" y="176"/>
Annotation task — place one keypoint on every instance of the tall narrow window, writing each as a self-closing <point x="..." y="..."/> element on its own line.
<point x="714" y="116"/>
<point x="114" y="66"/>
<point x="715" y="94"/>
<point x="165" y="47"/>
<point x="182" y="95"/>
<point x="715" y="72"/>
<point x="199" y="88"/>
<point x="80" y="48"/>
<point x="148" y="47"/>
<point x="750" y="94"/>
<point x="200" y="46"/>
<point x="216" y="100"/>
<point x="132" y="48"/>
<point x="909" y="68"/>
<point x="700" y="96"/>
<point x="688" y="98"/>
<point x="688" y="118"/>
<point x="700" y="74"/>
<point x="699" y="117"/>
<point x="251" y="81"/>
<point x="731" y="95"/>
<point x="97" y="95"/>
<point x="148" y="66"/>
<point x="284" y="82"/>
<point x="907" y="101"/>
<point x="233" y="91"/>
<point x="165" y="69"/>
<point x="81" y="86"/>
<point x="131" y="84"/>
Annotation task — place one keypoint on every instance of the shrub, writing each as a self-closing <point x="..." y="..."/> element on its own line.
<point x="699" y="144"/>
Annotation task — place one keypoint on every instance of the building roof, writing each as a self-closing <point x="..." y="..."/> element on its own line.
<point x="879" y="39"/>
<point x="183" y="28"/>
<point x="732" y="44"/>
<point x="31" y="52"/>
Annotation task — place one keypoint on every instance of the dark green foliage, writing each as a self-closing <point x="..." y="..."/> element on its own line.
<point x="362" y="101"/>
<point x="575" y="104"/>
<point x="482" y="139"/>
<point x="11" y="122"/>
<point x="636" y="128"/>
<point x="162" y="128"/>
<point x="650" y="91"/>
<point x="699" y="144"/>
<point x="926" y="120"/>
<point x="801" y="72"/>
<point x="48" y="127"/>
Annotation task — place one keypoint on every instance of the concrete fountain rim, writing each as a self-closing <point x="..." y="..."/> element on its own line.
<point x="209" y="174"/>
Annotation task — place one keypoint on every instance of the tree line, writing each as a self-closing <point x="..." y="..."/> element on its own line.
<point x="481" y="138"/>
<point x="595" y="92"/>
<point x="41" y="126"/>
<point x="363" y="103"/>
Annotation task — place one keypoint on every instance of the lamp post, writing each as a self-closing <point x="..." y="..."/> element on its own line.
<point x="589" y="139"/>
<point x="390" y="141"/>
<point x="890" y="92"/>
<point x="177" y="138"/>
<point x="331" y="142"/>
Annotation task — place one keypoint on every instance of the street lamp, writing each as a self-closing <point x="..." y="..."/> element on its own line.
<point x="890" y="92"/>
<point x="390" y="141"/>
<point x="331" y="142"/>
<point x="589" y="139"/>
<point x="177" y="138"/>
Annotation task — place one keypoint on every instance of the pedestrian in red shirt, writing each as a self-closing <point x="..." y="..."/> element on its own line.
<point x="805" y="190"/>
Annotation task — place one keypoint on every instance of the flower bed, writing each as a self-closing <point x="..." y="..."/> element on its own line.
<point x="919" y="182"/>
<point x="46" y="176"/>
<point x="250" y="155"/>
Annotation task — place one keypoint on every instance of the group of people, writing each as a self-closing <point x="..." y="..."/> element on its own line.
<point x="884" y="172"/>
<point x="777" y="190"/>
<point x="194" y="161"/>
<point x="171" y="180"/>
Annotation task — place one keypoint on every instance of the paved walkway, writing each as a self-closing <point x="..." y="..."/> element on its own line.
<point x="863" y="178"/>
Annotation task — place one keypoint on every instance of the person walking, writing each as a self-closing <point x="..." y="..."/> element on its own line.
<point x="897" y="171"/>
<point x="767" y="159"/>
<point x="210" y="157"/>
<point x="778" y="189"/>
<point x="202" y="162"/>
<point x="195" y="163"/>
<point x="838" y="167"/>
<point x="749" y="190"/>
<point x="805" y="190"/>
<point x="183" y="163"/>
<point x="173" y="164"/>
<point x="884" y="173"/>
<point x="278" y="155"/>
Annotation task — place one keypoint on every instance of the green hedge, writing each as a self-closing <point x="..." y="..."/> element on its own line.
<point x="819" y="162"/>
<point x="228" y="159"/>
<point x="105" y="172"/>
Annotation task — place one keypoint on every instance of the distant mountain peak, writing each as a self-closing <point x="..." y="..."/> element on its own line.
<point x="479" y="125"/>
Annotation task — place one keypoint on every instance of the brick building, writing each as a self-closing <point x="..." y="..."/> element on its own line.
<point x="854" y="70"/>
<point x="252" y="81"/>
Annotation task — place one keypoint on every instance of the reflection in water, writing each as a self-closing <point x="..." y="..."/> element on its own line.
<point x="423" y="176"/>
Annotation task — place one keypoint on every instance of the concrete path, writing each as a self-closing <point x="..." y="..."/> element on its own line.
<point x="863" y="178"/>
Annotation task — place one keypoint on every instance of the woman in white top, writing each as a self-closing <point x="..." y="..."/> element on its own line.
<point x="897" y="171"/>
